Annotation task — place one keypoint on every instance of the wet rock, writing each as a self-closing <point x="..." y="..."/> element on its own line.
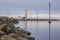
<point x="28" y="33"/>
<point x="31" y="38"/>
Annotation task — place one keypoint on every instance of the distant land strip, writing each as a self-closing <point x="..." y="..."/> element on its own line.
<point x="38" y="19"/>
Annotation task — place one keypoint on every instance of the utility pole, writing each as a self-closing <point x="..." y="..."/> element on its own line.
<point x="49" y="21"/>
<point x="37" y="15"/>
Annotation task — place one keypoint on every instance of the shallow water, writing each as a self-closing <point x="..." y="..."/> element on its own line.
<point x="40" y="29"/>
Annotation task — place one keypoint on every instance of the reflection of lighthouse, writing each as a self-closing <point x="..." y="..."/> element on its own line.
<point x="25" y="19"/>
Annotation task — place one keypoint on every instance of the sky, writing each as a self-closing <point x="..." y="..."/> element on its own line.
<point x="29" y="4"/>
<point x="16" y="6"/>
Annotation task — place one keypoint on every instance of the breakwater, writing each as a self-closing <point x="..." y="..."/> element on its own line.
<point x="38" y="19"/>
<point x="9" y="32"/>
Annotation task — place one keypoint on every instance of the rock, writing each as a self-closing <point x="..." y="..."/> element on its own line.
<point x="8" y="29"/>
<point x="19" y="32"/>
<point x="31" y="38"/>
<point x="1" y="26"/>
<point x="13" y="35"/>
<point x="26" y="32"/>
<point x="17" y="37"/>
<point x="1" y="33"/>
<point x="21" y="38"/>
<point x="6" y="37"/>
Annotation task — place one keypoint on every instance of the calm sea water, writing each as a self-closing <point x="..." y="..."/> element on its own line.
<point x="40" y="29"/>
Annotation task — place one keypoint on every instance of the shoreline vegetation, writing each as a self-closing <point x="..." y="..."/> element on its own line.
<point x="9" y="32"/>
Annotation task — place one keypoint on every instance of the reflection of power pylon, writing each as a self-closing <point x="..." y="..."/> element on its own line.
<point x="37" y="24"/>
<point x="25" y="19"/>
<point x="49" y="22"/>
<point x="31" y="22"/>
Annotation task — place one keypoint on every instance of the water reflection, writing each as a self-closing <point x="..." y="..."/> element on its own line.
<point x="43" y="29"/>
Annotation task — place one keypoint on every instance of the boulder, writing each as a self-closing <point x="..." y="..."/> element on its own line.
<point x="1" y="33"/>
<point x="13" y="35"/>
<point x="7" y="29"/>
<point x="1" y="26"/>
<point x="31" y="38"/>
<point x="21" y="38"/>
<point x="26" y="32"/>
<point x="17" y="37"/>
<point x="7" y="37"/>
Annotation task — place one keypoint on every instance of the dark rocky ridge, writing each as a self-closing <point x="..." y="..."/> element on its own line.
<point x="38" y="19"/>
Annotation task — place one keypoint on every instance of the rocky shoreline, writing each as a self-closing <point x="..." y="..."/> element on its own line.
<point x="9" y="32"/>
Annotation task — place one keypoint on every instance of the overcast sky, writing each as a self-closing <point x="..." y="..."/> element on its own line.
<point x="29" y="4"/>
<point x="15" y="7"/>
